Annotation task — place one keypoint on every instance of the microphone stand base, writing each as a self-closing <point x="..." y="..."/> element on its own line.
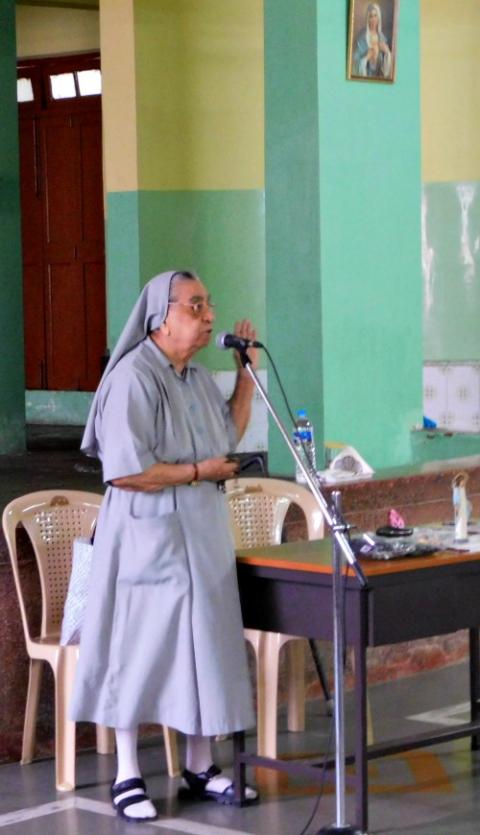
<point x="339" y="830"/>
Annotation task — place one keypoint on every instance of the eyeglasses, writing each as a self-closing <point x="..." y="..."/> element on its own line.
<point x="197" y="308"/>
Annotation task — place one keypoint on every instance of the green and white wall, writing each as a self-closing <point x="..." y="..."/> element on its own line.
<point x="194" y="197"/>
<point x="343" y="247"/>
<point x="451" y="225"/>
<point x="451" y="175"/>
<point x="320" y="240"/>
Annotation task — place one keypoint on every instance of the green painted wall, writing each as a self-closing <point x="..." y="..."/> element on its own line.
<point x="343" y="231"/>
<point x="123" y="259"/>
<point x="12" y="384"/>
<point x="442" y="446"/>
<point x="218" y="234"/>
<point x="293" y="290"/>
<point x="59" y="408"/>
<point x="451" y="265"/>
<point x="370" y="203"/>
<point x="200" y="199"/>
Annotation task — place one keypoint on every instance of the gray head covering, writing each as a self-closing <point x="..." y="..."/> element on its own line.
<point x="147" y="315"/>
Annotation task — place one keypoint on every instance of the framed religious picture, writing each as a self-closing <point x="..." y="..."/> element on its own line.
<point x="372" y="40"/>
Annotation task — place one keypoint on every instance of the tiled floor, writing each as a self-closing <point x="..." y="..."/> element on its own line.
<point x="433" y="791"/>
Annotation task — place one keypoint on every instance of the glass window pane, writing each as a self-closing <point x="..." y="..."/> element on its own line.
<point x="90" y="82"/>
<point x="24" y="89"/>
<point x="63" y="86"/>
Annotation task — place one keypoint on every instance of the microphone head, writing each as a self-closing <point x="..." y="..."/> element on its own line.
<point x="221" y="340"/>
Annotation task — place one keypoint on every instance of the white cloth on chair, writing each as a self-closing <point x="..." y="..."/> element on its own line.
<point x="76" y="600"/>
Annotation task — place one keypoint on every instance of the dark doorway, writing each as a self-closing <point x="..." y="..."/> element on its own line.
<point x="62" y="221"/>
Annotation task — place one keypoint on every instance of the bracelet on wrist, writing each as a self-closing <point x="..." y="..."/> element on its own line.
<point x="194" y="481"/>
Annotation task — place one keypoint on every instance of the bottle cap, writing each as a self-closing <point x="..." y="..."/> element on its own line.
<point x="302" y="413"/>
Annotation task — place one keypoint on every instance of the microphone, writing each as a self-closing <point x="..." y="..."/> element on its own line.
<point x="225" y="340"/>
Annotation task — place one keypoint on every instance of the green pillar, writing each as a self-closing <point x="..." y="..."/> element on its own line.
<point x="293" y="290"/>
<point x="344" y="285"/>
<point x="12" y="381"/>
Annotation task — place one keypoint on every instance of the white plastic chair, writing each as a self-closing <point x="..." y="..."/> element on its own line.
<point x="258" y="507"/>
<point x="52" y="519"/>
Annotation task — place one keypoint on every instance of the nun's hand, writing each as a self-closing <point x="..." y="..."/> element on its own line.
<point x="217" y="469"/>
<point x="245" y="329"/>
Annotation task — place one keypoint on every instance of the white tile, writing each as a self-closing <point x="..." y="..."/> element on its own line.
<point x="435" y="383"/>
<point x="463" y="397"/>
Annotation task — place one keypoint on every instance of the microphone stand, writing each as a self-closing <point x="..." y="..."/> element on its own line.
<point x="332" y="514"/>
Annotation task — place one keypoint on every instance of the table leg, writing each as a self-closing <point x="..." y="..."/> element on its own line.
<point x="474" y="683"/>
<point x="238" y="767"/>
<point x="361" y="762"/>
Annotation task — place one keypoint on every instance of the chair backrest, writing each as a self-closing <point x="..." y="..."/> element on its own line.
<point x="258" y="507"/>
<point x="52" y="520"/>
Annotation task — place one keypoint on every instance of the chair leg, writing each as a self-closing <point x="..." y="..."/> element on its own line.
<point x="171" y="751"/>
<point x="31" y="710"/>
<point x="105" y="740"/>
<point x="296" y="685"/>
<point x="268" y="695"/>
<point x="64" y="727"/>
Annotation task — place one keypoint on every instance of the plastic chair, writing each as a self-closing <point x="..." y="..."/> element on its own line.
<point x="52" y="519"/>
<point x="258" y="507"/>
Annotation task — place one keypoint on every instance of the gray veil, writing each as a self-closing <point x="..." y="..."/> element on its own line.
<point x="148" y="314"/>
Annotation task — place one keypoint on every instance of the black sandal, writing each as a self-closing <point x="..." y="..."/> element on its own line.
<point x="121" y="806"/>
<point x="197" y="788"/>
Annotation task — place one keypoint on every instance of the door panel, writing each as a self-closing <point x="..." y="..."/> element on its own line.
<point x="94" y="318"/>
<point x="90" y="142"/>
<point x="62" y="174"/>
<point x="32" y="254"/>
<point x="62" y="232"/>
<point x="65" y="327"/>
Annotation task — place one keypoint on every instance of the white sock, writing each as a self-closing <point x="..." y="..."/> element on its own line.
<point x="127" y="767"/>
<point x="221" y="782"/>
<point x="198" y="755"/>
<point x="199" y="758"/>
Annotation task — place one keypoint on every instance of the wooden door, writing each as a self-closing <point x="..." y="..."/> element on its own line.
<point x="62" y="230"/>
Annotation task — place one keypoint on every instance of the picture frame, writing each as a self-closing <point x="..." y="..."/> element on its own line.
<point x="372" y="40"/>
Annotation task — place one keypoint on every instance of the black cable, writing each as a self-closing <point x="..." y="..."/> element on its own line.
<point x="305" y="449"/>
<point x="322" y="781"/>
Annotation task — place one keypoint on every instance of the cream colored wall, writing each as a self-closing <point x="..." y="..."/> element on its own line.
<point x="119" y="95"/>
<point x="55" y="31"/>
<point x="200" y="94"/>
<point x="450" y="86"/>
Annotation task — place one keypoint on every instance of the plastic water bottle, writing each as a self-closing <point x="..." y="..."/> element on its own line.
<point x="305" y="445"/>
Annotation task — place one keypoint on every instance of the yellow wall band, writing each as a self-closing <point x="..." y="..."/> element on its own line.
<point x="200" y="94"/>
<point x="450" y="67"/>
<point x="119" y="97"/>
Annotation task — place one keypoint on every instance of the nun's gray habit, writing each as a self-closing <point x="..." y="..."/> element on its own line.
<point x="163" y="637"/>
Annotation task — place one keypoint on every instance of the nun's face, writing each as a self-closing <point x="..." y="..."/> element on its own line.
<point x="190" y="316"/>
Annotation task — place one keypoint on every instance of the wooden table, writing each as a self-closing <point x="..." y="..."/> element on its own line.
<point x="288" y="588"/>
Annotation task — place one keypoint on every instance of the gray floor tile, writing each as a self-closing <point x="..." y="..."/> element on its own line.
<point x="430" y="792"/>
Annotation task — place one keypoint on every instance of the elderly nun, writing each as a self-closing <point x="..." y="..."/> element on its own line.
<point x="163" y="637"/>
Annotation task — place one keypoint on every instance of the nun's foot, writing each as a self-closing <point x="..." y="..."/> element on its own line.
<point x="213" y="785"/>
<point x="131" y="801"/>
